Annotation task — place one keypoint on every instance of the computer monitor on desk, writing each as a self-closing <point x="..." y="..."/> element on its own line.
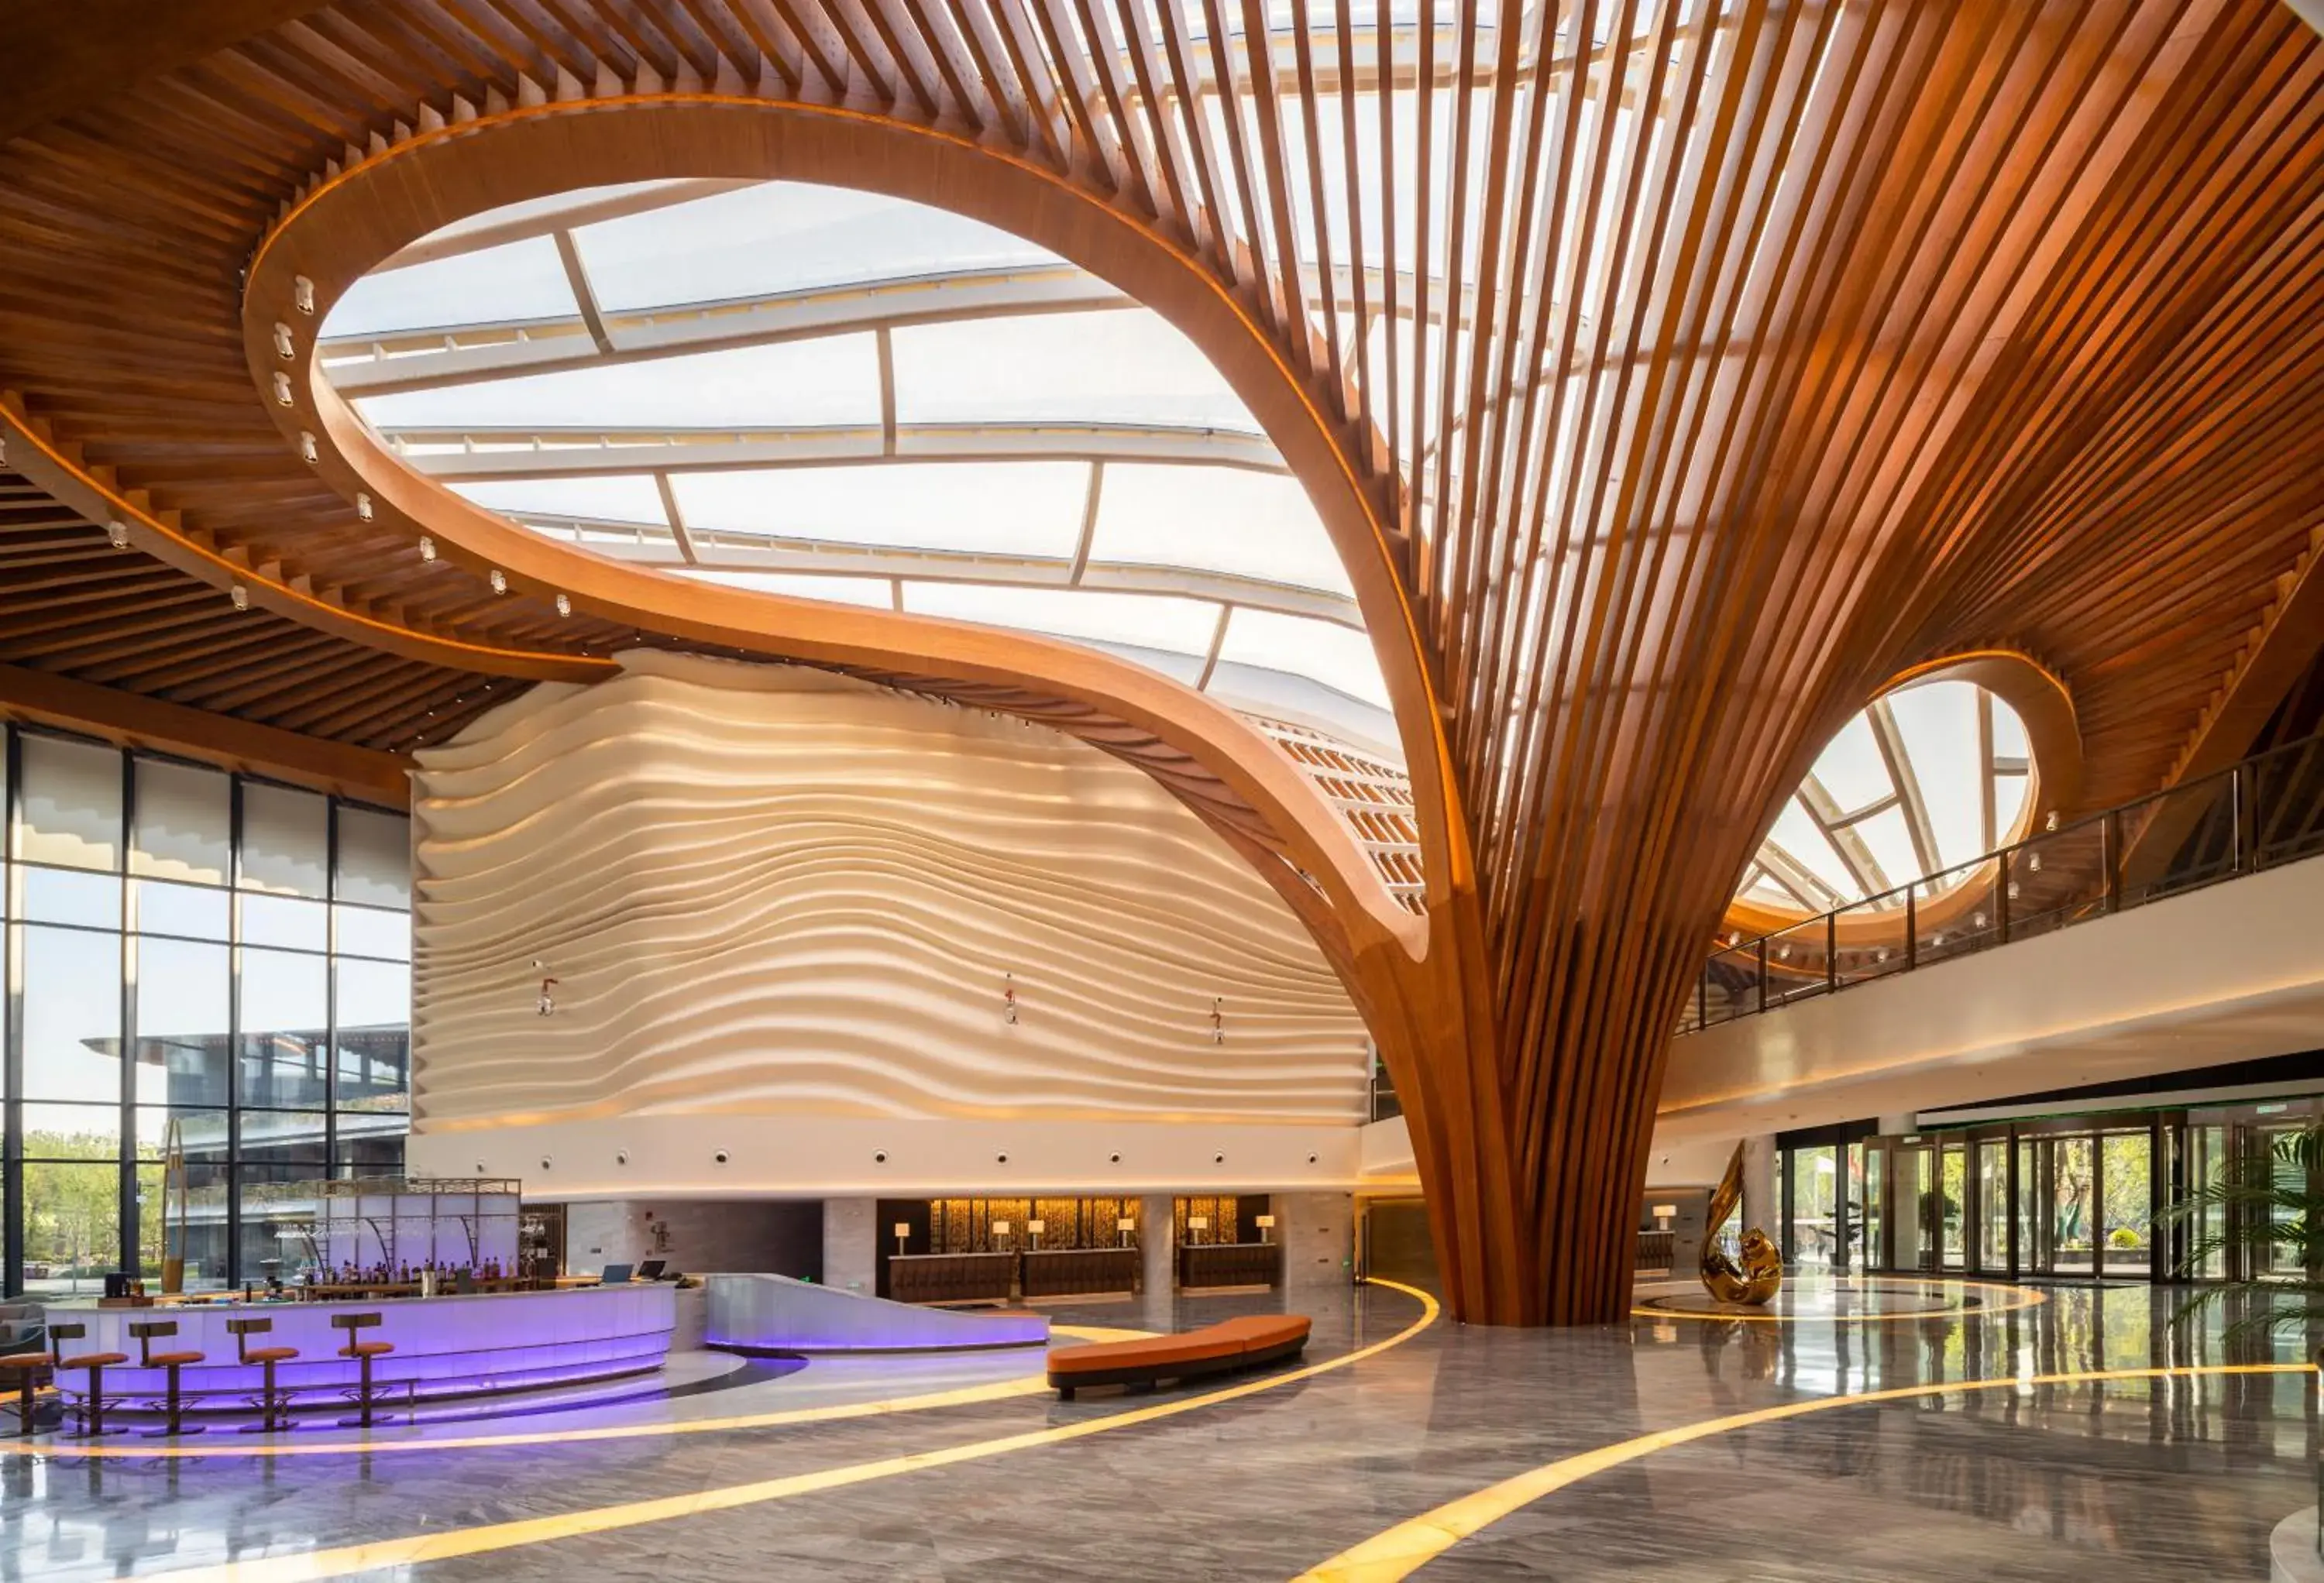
<point x="614" y="1275"/>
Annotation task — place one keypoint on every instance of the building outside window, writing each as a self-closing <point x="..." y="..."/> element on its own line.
<point x="195" y="952"/>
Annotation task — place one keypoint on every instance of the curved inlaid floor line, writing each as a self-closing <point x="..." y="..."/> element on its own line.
<point x="2012" y="1298"/>
<point x="496" y="1536"/>
<point x="1029" y="1384"/>
<point x="1401" y="1550"/>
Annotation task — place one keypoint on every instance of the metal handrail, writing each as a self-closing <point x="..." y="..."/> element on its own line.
<point x="2240" y="797"/>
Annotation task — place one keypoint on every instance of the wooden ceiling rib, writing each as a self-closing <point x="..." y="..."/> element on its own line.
<point x="75" y="608"/>
<point x="1688" y="377"/>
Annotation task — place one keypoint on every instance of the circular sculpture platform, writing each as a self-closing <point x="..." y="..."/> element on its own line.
<point x="1859" y="1301"/>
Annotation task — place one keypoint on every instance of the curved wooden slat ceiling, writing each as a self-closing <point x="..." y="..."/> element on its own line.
<point x="1796" y="348"/>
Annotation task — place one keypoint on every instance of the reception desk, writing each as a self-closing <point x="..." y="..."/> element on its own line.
<point x="951" y="1277"/>
<point x="1230" y="1263"/>
<point x="447" y="1345"/>
<point x="1080" y="1272"/>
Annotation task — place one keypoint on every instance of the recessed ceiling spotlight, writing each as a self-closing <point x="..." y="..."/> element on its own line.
<point x="282" y="389"/>
<point x="302" y="297"/>
<point x="499" y="581"/>
<point x="306" y="449"/>
<point x="285" y="347"/>
<point x="563" y="605"/>
<point x="362" y="507"/>
<point x="241" y="597"/>
<point x="426" y="548"/>
<point x="117" y="534"/>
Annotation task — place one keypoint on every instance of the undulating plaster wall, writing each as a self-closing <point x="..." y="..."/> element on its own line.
<point x="784" y="909"/>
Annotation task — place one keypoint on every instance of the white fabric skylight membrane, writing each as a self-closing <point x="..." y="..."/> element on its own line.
<point x="1323" y="651"/>
<point x="1850" y="767"/>
<point x="1110" y="366"/>
<point x="1227" y="519"/>
<point x="993" y="508"/>
<point x="829" y="381"/>
<point x="1937" y="724"/>
<point x="1281" y="696"/>
<point x="1797" y="834"/>
<point x="876" y="592"/>
<point x="546" y="210"/>
<point x="1181" y="626"/>
<point x="623" y="497"/>
<point x="515" y="280"/>
<point x="783" y="237"/>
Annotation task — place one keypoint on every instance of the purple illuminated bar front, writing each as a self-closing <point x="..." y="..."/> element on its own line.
<point x="450" y="1346"/>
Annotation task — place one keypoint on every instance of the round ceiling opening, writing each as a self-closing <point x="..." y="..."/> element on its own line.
<point x="830" y="394"/>
<point x="1924" y="783"/>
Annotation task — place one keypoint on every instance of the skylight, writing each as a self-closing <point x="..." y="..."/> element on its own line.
<point x="1926" y="781"/>
<point x="825" y="394"/>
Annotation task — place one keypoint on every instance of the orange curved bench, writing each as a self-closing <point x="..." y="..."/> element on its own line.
<point x="1251" y="1341"/>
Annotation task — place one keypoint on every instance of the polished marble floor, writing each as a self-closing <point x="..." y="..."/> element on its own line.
<point x="978" y="1474"/>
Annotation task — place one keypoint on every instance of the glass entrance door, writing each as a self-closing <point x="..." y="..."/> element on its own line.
<point x="1952" y="1186"/>
<point x="1814" y="1204"/>
<point x="1993" y="1206"/>
<point x="1915" y="1212"/>
<point x="2127" y="1204"/>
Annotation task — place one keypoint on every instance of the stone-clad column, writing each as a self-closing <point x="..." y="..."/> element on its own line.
<point x="1318" y="1233"/>
<point x="851" y="1244"/>
<point x="1158" y="1217"/>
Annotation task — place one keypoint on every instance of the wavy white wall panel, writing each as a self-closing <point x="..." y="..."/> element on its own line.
<point x="768" y="891"/>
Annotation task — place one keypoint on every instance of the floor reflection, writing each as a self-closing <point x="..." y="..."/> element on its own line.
<point x="2127" y="1479"/>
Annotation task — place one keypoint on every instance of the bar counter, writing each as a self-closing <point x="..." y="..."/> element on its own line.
<point x="453" y="1345"/>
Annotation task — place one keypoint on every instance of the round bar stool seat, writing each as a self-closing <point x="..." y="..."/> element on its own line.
<point x="26" y="1366"/>
<point x="274" y="1405"/>
<point x="147" y="1332"/>
<point x="92" y="1401"/>
<point x="363" y="1352"/>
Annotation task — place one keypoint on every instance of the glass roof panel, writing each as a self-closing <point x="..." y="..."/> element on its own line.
<point x="1937" y="722"/>
<point x="1145" y="620"/>
<point x="1227" y="519"/>
<point x="1795" y="831"/>
<point x="783" y="236"/>
<point x="877" y="591"/>
<point x="1890" y="837"/>
<point x="1112" y="365"/>
<point x="994" y="508"/>
<point x="621" y="497"/>
<point x="1851" y="768"/>
<point x="1320" y="650"/>
<point x="1945" y="789"/>
<point x="830" y="381"/>
<point x="515" y="280"/>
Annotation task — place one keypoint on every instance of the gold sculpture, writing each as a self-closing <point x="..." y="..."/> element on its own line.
<point x="1762" y="1270"/>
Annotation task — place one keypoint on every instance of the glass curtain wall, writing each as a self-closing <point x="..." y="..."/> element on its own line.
<point x="197" y="956"/>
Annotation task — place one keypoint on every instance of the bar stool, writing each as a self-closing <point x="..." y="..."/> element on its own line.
<point x="26" y="1366"/>
<point x="273" y="1406"/>
<point x="92" y="1401"/>
<point x="363" y="1352"/>
<point x="146" y="1330"/>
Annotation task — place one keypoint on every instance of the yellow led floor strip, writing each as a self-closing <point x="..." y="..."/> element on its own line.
<point x="496" y="1536"/>
<point x="1411" y="1545"/>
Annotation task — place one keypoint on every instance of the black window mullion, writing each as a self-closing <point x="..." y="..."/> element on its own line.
<point x="131" y="1255"/>
<point x="12" y="1035"/>
<point x="234" y="1035"/>
<point x="330" y="985"/>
